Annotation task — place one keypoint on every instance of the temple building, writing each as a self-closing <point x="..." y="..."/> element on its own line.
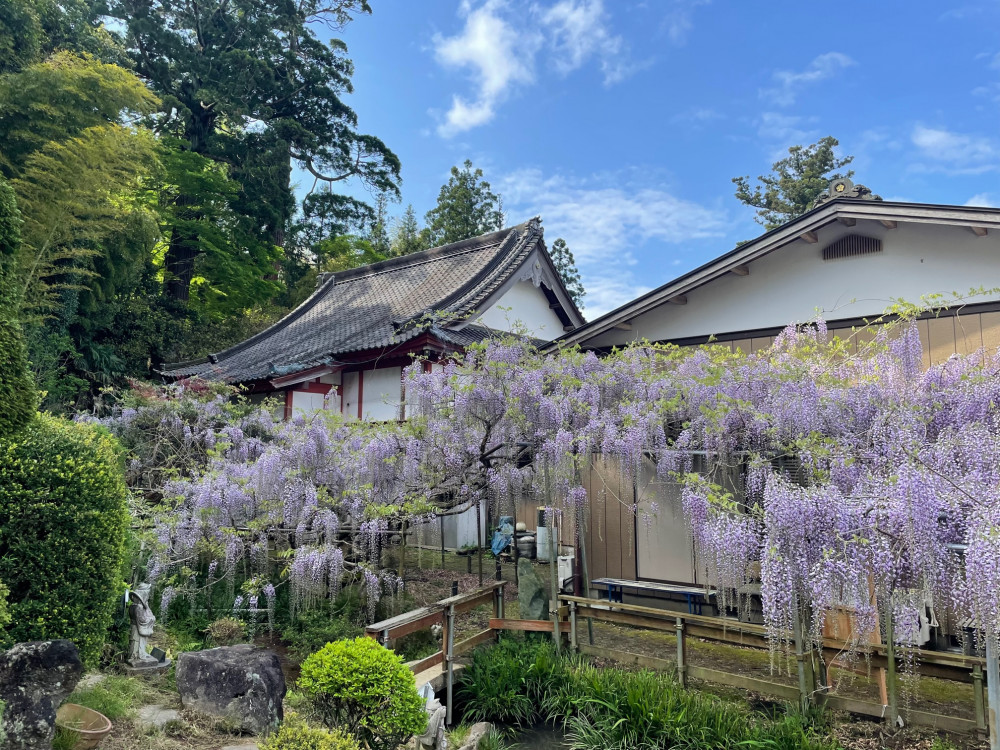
<point x="345" y="347"/>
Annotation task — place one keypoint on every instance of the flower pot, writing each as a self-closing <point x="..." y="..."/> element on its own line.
<point x="89" y="726"/>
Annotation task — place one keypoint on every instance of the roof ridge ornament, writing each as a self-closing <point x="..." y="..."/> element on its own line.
<point x="844" y="188"/>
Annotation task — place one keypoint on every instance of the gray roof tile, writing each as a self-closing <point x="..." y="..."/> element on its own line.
<point x="376" y="306"/>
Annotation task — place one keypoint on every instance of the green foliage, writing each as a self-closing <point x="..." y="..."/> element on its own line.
<point x="794" y="183"/>
<point x="315" y="628"/>
<point x="4" y="612"/>
<point x="17" y="393"/>
<point x="63" y="520"/>
<point x="565" y="263"/>
<point x="115" y="697"/>
<point x="226" y="631"/>
<point x="364" y="688"/>
<point x="296" y="735"/>
<point x="20" y="35"/>
<point x="407" y="237"/>
<point x="466" y="207"/>
<point x="59" y="99"/>
<point x="615" y="709"/>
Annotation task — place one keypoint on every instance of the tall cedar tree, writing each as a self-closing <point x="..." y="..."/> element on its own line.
<point x="408" y="237"/>
<point x="794" y="183"/>
<point x="248" y="83"/>
<point x="466" y="207"/>
<point x="565" y="263"/>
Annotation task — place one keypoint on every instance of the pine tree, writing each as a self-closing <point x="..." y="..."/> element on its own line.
<point x="794" y="183"/>
<point x="565" y="263"/>
<point x="378" y="232"/>
<point x="466" y="207"/>
<point x="408" y="237"/>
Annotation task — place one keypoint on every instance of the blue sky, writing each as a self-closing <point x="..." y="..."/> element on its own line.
<point x="622" y="123"/>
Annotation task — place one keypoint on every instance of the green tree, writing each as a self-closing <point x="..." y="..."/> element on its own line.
<point x="345" y="252"/>
<point x="466" y="207"/>
<point x="565" y="263"/>
<point x="407" y="237"/>
<point x="378" y="232"/>
<point x="58" y="99"/>
<point x="238" y="74"/>
<point x="794" y="183"/>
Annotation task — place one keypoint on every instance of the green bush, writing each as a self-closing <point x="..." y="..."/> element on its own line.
<point x="63" y="520"/>
<point x="18" y="399"/>
<point x="364" y="688"/>
<point x="295" y="735"/>
<point x="4" y="607"/>
<point x="315" y="628"/>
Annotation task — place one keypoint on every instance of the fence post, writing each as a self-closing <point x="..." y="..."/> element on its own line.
<point x="977" y="697"/>
<point x="890" y="669"/>
<point x="572" y="627"/>
<point x="992" y="690"/>
<point x="805" y="694"/>
<point x="449" y="659"/>
<point x="681" y="666"/>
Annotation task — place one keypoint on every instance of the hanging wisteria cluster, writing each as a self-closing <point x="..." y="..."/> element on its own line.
<point x="869" y="482"/>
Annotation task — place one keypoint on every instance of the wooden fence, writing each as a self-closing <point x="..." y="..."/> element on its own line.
<point x="943" y="665"/>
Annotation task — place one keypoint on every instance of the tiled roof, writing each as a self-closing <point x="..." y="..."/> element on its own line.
<point x="377" y="306"/>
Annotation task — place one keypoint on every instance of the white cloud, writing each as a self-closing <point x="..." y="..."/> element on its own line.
<point x="500" y="43"/>
<point x="602" y="219"/>
<point x="790" y="83"/>
<point x="579" y="31"/>
<point x="499" y="56"/>
<point x="952" y="152"/>
<point x="779" y="127"/>
<point x="679" y="20"/>
<point x="985" y="200"/>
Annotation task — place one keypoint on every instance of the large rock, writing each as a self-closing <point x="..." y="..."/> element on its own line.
<point x="476" y="735"/>
<point x="532" y="593"/>
<point x="35" y="679"/>
<point x="240" y="683"/>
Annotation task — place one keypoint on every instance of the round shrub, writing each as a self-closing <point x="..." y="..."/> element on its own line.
<point x="63" y="520"/>
<point x="17" y="393"/>
<point x="295" y="735"/>
<point x="365" y="689"/>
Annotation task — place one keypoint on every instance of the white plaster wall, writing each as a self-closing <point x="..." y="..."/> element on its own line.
<point x="350" y="395"/>
<point x="381" y="393"/>
<point x="529" y="306"/>
<point x="789" y="284"/>
<point x="306" y="403"/>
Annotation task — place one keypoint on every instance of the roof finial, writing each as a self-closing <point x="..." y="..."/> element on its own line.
<point x="844" y="188"/>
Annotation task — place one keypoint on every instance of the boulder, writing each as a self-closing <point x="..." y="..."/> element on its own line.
<point x="532" y="593"/>
<point x="35" y="678"/>
<point x="240" y="683"/>
<point x="476" y="733"/>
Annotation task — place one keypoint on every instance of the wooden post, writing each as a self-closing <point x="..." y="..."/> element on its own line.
<point x="572" y="626"/>
<point x="992" y="691"/>
<point x="442" y="541"/>
<point x="681" y="666"/>
<point x="449" y="659"/>
<point x="479" y="539"/>
<point x="402" y="550"/>
<point x="890" y="674"/>
<point x="977" y="697"/>
<point x="805" y="694"/>
<point x="385" y="638"/>
<point x="581" y="532"/>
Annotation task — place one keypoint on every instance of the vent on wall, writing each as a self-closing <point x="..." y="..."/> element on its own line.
<point x="851" y="245"/>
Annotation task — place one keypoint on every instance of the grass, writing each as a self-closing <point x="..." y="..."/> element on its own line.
<point x="520" y="681"/>
<point x="116" y="697"/>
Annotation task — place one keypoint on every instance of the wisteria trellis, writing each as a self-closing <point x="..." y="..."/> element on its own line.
<point x="895" y="499"/>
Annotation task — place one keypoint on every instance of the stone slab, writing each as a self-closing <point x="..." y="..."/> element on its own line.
<point x="156" y="717"/>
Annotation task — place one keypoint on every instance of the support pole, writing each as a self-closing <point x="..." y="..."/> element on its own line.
<point x="890" y="659"/>
<point x="479" y="538"/>
<point x="572" y="627"/>
<point x="581" y="532"/>
<point x="441" y="518"/>
<point x="800" y="655"/>
<point x="449" y="659"/>
<point x="977" y="697"/>
<point x="992" y="690"/>
<point x="554" y="576"/>
<point x="681" y="665"/>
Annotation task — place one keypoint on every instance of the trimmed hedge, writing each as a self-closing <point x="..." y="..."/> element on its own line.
<point x="63" y="521"/>
<point x="364" y="688"/>
<point x="296" y="735"/>
<point x="18" y="398"/>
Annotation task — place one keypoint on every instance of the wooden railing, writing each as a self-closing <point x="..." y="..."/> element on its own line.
<point x="443" y="613"/>
<point x="944" y="665"/>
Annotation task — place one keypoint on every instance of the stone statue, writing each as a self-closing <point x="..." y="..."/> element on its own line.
<point x="143" y="620"/>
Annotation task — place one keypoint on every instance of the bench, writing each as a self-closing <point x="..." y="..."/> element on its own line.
<point x="696" y="596"/>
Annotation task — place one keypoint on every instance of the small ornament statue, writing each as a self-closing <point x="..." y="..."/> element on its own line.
<point x="143" y="620"/>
